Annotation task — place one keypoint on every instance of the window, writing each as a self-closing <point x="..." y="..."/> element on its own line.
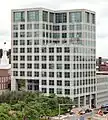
<point x="44" y="50"/>
<point x="59" y="66"/>
<point x="15" y="27"/>
<point x="61" y="17"/>
<point x="79" y="35"/>
<point x="64" y="27"/>
<point x="22" y="58"/>
<point x="51" y="66"/>
<point x="29" y="87"/>
<point x="64" y="35"/>
<point x="67" y="58"/>
<point x="22" y="34"/>
<point x="22" y="50"/>
<point x="51" y="58"/>
<point x="75" y="17"/>
<point x="15" y="50"/>
<point x="87" y="17"/>
<point x="15" y="34"/>
<point x="36" y="74"/>
<point x="45" y="16"/>
<point x="22" y="42"/>
<point x="15" y="73"/>
<point x="51" y="17"/>
<point x="59" y="74"/>
<point x="36" y="26"/>
<point x="71" y="27"/>
<point x="19" y="16"/>
<point x="15" y="42"/>
<point x="43" y="26"/>
<point x="29" y="73"/>
<point x="22" y="27"/>
<point x="46" y="26"/>
<point x="78" y="26"/>
<point x="56" y="35"/>
<point x="50" y="27"/>
<point x="51" y="50"/>
<point x="67" y="74"/>
<point x="67" y="91"/>
<point x="15" y="65"/>
<point x="59" y="90"/>
<point x="50" y="34"/>
<point x="67" y="50"/>
<point x="51" y="90"/>
<point x="51" y="74"/>
<point x="44" y="66"/>
<point x="44" y="74"/>
<point x="36" y="66"/>
<point x="36" y="34"/>
<point x="47" y="34"/>
<point x="22" y="73"/>
<point x="33" y="15"/>
<point x="43" y="34"/>
<point x="22" y="65"/>
<point x="44" y="58"/>
<point x="72" y="35"/>
<point x="29" y="50"/>
<point x="29" y="42"/>
<point x="29" y="34"/>
<point x="36" y="50"/>
<point x="15" y="58"/>
<point x="59" y="82"/>
<point x="29" y="26"/>
<point x="51" y="82"/>
<point x="59" y="58"/>
<point x="93" y="18"/>
<point x="36" y="58"/>
<point x="36" y="42"/>
<point x="44" y="90"/>
<point x="59" y="50"/>
<point x="44" y="82"/>
<point x="29" y="66"/>
<point x="56" y="28"/>
<point x="36" y="87"/>
<point x="30" y="81"/>
<point x="67" y="83"/>
<point x="67" y="66"/>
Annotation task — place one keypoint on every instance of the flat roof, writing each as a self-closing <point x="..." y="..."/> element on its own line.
<point x="101" y="72"/>
<point x="41" y="8"/>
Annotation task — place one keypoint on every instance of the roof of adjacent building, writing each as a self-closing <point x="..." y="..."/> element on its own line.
<point x="101" y="72"/>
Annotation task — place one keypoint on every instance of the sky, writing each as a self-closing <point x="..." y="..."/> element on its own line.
<point x="99" y="6"/>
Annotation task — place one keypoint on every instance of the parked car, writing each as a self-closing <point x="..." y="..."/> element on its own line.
<point x="88" y="111"/>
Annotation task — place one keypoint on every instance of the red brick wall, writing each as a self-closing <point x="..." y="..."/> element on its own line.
<point x="5" y="79"/>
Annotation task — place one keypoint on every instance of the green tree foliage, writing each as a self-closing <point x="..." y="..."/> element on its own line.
<point x="19" y="105"/>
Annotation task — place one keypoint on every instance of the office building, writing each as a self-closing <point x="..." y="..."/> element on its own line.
<point x="54" y="52"/>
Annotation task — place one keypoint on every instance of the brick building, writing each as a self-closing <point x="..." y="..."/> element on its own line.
<point x="5" y="67"/>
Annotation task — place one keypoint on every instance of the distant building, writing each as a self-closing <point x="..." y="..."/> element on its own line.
<point x="102" y="64"/>
<point x="5" y="70"/>
<point x="102" y="81"/>
<point x="102" y="88"/>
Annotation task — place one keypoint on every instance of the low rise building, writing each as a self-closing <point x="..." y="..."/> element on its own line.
<point x="5" y="68"/>
<point x="102" y="88"/>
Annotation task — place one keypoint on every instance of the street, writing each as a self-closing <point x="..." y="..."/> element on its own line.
<point x="75" y="117"/>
